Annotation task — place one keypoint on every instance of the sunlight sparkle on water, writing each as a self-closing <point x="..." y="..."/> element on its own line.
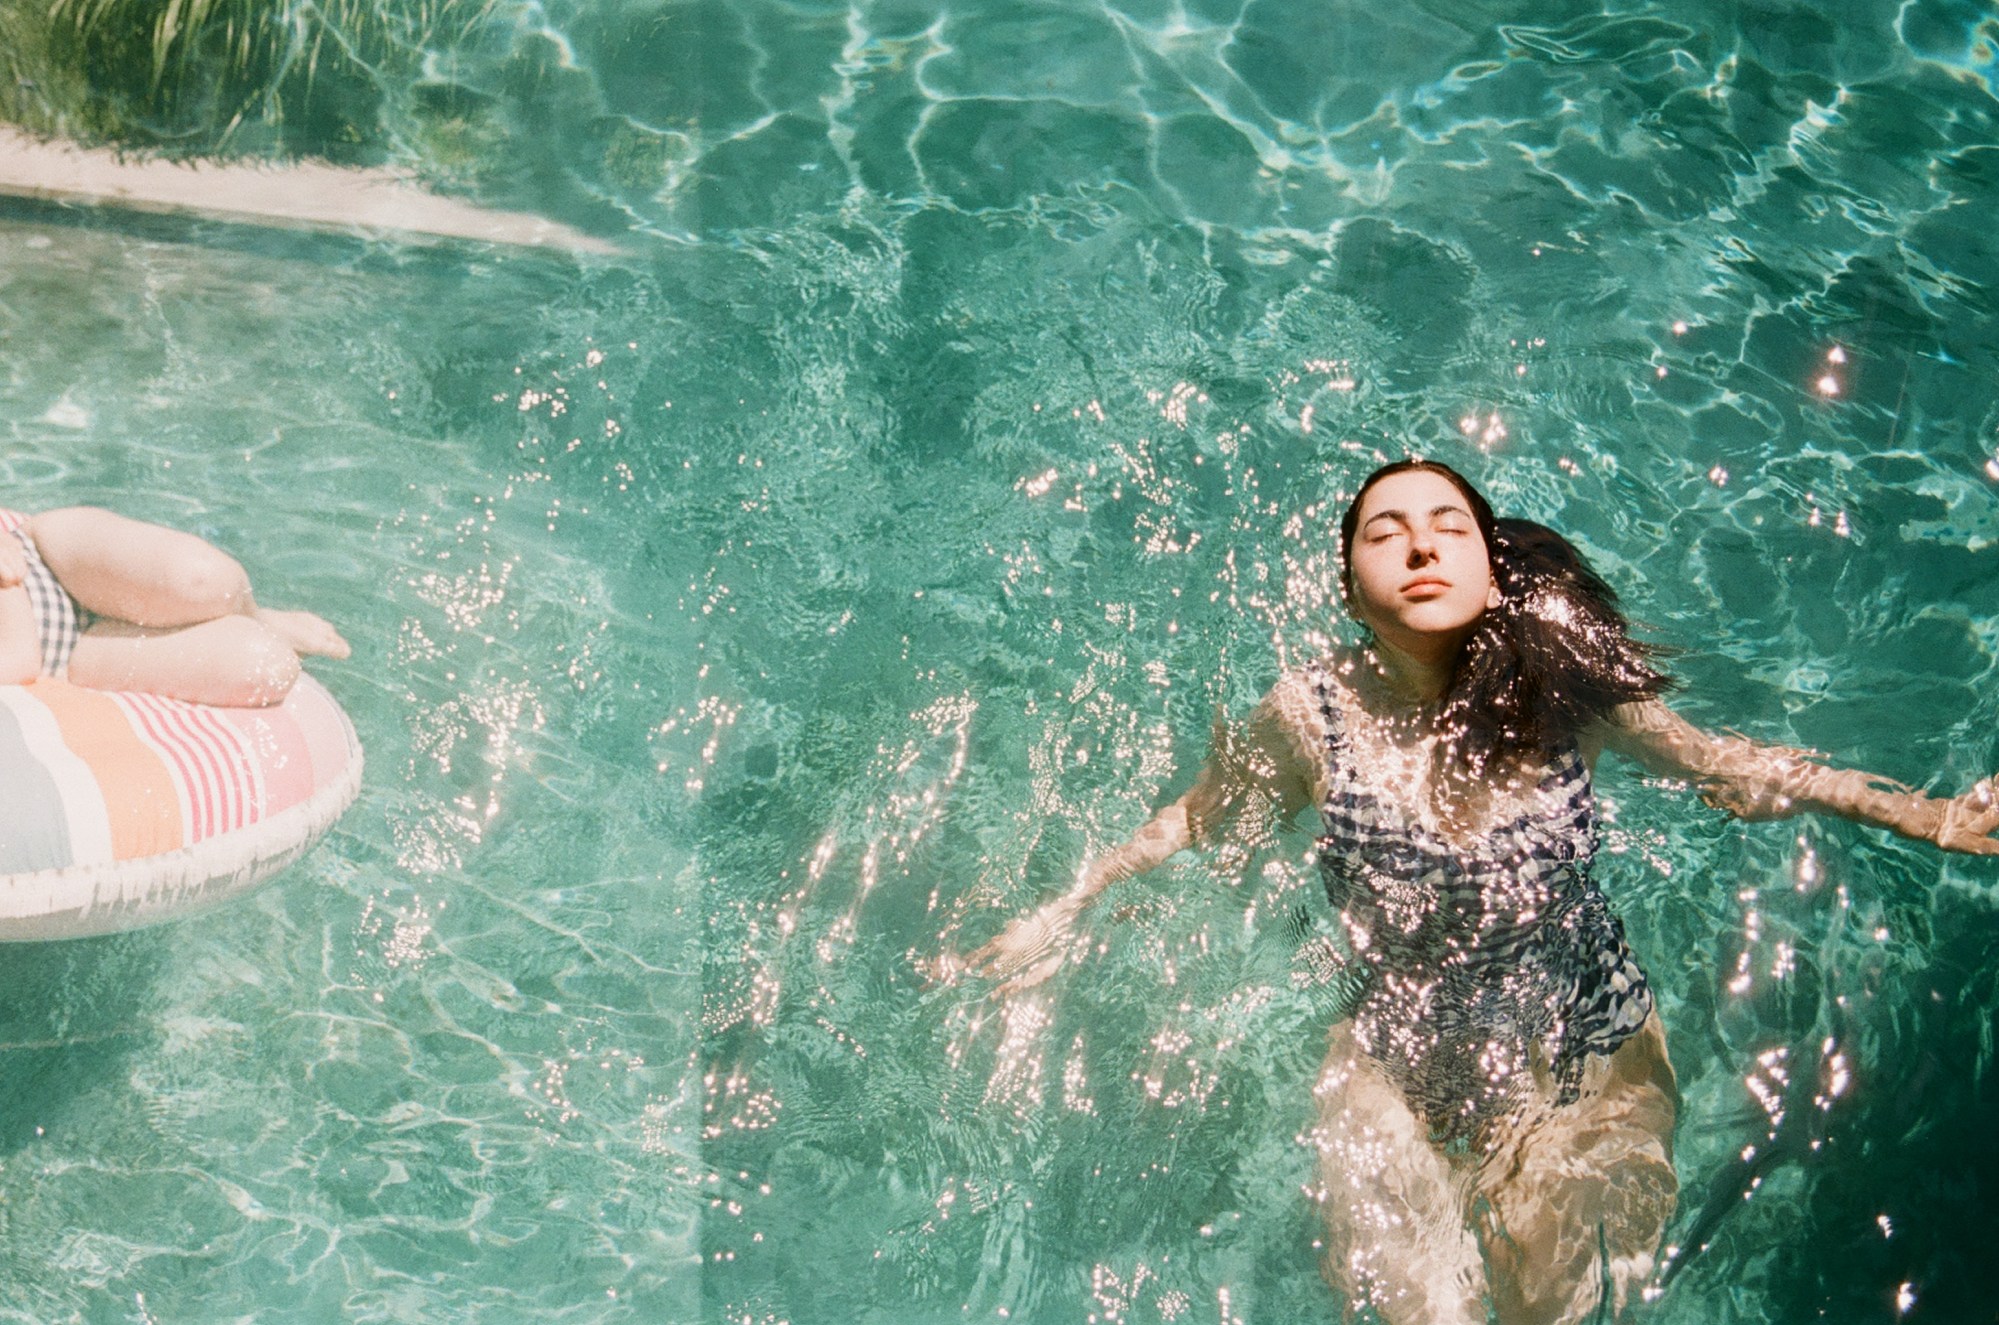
<point x="1487" y="432"/>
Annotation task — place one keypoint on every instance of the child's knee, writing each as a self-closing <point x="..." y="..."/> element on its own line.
<point x="262" y="668"/>
<point x="274" y="669"/>
<point x="209" y="576"/>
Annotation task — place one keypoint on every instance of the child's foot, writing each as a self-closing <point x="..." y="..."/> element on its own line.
<point x="306" y="632"/>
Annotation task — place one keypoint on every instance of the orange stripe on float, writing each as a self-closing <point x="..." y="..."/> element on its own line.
<point x="139" y="792"/>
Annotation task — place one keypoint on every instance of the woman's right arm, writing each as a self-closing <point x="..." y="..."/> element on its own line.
<point x="1752" y="780"/>
<point x="20" y="659"/>
<point x="1261" y="763"/>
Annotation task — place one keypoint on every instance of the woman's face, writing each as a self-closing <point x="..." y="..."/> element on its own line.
<point x="1420" y="573"/>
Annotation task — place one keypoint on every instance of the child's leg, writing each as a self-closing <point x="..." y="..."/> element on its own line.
<point x="160" y="578"/>
<point x="306" y="632"/>
<point x="142" y="573"/>
<point x="235" y="660"/>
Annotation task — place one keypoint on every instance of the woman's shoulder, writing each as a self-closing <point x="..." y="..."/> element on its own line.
<point x="1311" y="698"/>
<point x="1321" y="678"/>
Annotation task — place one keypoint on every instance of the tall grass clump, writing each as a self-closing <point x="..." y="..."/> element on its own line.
<point x="342" y="80"/>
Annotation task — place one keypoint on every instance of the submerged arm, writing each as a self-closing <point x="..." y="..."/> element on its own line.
<point x="1259" y="763"/>
<point x="20" y="658"/>
<point x="1755" y="781"/>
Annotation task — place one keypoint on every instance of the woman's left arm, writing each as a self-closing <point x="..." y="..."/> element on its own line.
<point x="1755" y="781"/>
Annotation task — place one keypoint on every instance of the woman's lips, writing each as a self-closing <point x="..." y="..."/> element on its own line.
<point x="1426" y="584"/>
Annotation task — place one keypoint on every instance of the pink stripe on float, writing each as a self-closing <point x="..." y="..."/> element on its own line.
<point x="189" y="774"/>
<point x="200" y="732"/>
<point x="220" y="770"/>
<point x="233" y="762"/>
<point x="197" y="768"/>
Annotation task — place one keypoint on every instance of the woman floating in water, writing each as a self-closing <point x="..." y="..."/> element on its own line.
<point x="1496" y="1117"/>
<point x="117" y="604"/>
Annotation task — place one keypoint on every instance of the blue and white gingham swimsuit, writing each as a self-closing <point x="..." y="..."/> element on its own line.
<point x="1476" y="962"/>
<point x="59" y="621"/>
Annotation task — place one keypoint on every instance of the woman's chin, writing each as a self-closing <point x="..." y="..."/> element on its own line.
<point x="1425" y="626"/>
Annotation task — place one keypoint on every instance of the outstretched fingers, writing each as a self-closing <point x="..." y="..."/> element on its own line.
<point x="1970" y="820"/>
<point x="1029" y="950"/>
<point x="1033" y="974"/>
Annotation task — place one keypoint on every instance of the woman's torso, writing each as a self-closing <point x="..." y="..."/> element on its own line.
<point x="1484" y="948"/>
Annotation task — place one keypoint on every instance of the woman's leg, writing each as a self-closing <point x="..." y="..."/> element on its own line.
<point x="160" y="578"/>
<point x="233" y="660"/>
<point x="1395" y="1209"/>
<point x="1582" y="1180"/>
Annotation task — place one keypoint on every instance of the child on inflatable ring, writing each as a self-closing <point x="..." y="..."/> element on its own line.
<point x="113" y="603"/>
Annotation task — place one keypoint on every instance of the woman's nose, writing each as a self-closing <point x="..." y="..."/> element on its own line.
<point x="1422" y="549"/>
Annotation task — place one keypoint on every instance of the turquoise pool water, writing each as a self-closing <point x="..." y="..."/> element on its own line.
<point x="741" y="622"/>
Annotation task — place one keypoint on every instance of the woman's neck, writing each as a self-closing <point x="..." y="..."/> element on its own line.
<point x="1407" y="679"/>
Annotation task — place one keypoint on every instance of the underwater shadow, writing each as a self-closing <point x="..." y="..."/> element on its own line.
<point x="72" y="1014"/>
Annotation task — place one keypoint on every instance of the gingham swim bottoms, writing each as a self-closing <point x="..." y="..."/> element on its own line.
<point x="59" y="621"/>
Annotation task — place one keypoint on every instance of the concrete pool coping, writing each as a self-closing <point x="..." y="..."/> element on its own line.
<point x="298" y="195"/>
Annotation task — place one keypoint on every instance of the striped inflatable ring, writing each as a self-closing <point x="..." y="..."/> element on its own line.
<point x="122" y="810"/>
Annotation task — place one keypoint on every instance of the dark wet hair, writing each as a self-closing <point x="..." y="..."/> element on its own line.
<point x="1555" y="656"/>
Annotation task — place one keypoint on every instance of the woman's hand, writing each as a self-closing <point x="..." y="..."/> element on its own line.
<point x="1272" y="762"/>
<point x="1030" y="948"/>
<point x="1968" y="821"/>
